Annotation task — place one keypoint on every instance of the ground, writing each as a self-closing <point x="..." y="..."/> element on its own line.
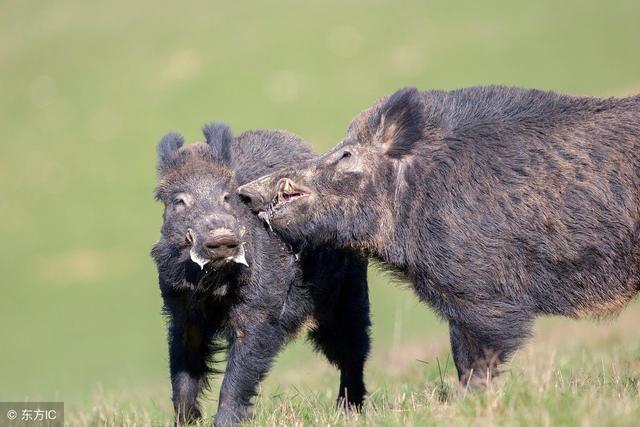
<point x="571" y="373"/>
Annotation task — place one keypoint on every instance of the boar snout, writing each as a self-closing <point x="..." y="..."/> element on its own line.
<point x="251" y="195"/>
<point x="218" y="246"/>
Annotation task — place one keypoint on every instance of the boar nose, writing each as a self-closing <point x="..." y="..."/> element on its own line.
<point x="251" y="197"/>
<point x="220" y="245"/>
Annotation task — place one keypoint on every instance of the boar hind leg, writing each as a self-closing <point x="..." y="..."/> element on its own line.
<point x="478" y="351"/>
<point x="343" y="336"/>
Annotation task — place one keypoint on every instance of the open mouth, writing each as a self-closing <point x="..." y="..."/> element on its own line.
<point x="288" y="192"/>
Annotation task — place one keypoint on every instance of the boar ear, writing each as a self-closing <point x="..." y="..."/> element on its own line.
<point x="402" y="122"/>
<point x="219" y="137"/>
<point x="168" y="145"/>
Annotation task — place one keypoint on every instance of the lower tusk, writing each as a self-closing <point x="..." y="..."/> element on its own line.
<point x="240" y="257"/>
<point x="198" y="259"/>
<point x="265" y="217"/>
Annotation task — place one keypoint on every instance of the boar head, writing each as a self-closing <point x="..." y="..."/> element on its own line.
<point x="201" y="237"/>
<point x="350" y="196"/>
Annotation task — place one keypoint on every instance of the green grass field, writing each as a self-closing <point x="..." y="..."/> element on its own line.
<point x="88" y="88"/>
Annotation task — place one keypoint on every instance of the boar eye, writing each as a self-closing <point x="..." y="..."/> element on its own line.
<point x="181" y="201"/>
<point x="345" y="155"/>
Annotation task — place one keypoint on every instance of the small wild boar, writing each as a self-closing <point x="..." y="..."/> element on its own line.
<point x="498" y="204"/>
<point x="227" y="280"/>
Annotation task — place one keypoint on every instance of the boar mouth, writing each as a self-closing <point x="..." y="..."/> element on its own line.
<point x="207" y="262"/>
<point x="288" y="191"/>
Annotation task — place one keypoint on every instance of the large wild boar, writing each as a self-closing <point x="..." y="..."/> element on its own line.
<point x="498" y="204"/>
<point x="227" y="281"/>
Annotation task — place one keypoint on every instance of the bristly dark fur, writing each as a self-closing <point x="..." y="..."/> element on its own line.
<point x="220" y="139"/>
<point x="167" y="146"/>
<point x="255" y="309"/>
<point x="259" y="152"/>
<point x="502" y="204"/>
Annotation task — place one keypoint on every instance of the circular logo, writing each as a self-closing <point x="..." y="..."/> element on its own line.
<point x="11" y="414"/>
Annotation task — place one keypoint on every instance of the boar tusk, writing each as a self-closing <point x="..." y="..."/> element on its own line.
<point x="240" y="257"/>
<point x="190" y="238"/>
<point x="265" y="217"/>
<point x="200" y="260"/>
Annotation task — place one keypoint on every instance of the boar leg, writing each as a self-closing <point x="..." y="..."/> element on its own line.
<point x="190" y="350"/>
<point x="342" y="334"/>
<point x="346" y="347"/>
<point x="478" y="351"/>
<point x="251" y="353"/>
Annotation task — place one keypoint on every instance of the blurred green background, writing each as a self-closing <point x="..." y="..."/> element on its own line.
<point x="87" y="88"/>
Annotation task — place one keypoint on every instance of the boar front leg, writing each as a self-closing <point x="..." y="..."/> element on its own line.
<point x="191" y="348"/>
<point x="251" y="353"/>
<point x="189" y="353"/>
<point x="479" y="350"/>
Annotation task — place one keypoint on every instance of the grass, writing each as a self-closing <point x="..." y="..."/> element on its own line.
<point x="568" y="375"/>
<point x="86" y="90"/>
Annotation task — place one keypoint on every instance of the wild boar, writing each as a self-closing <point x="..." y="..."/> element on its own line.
<point x="227" y="282"/>
<point x="498" y="204"/>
